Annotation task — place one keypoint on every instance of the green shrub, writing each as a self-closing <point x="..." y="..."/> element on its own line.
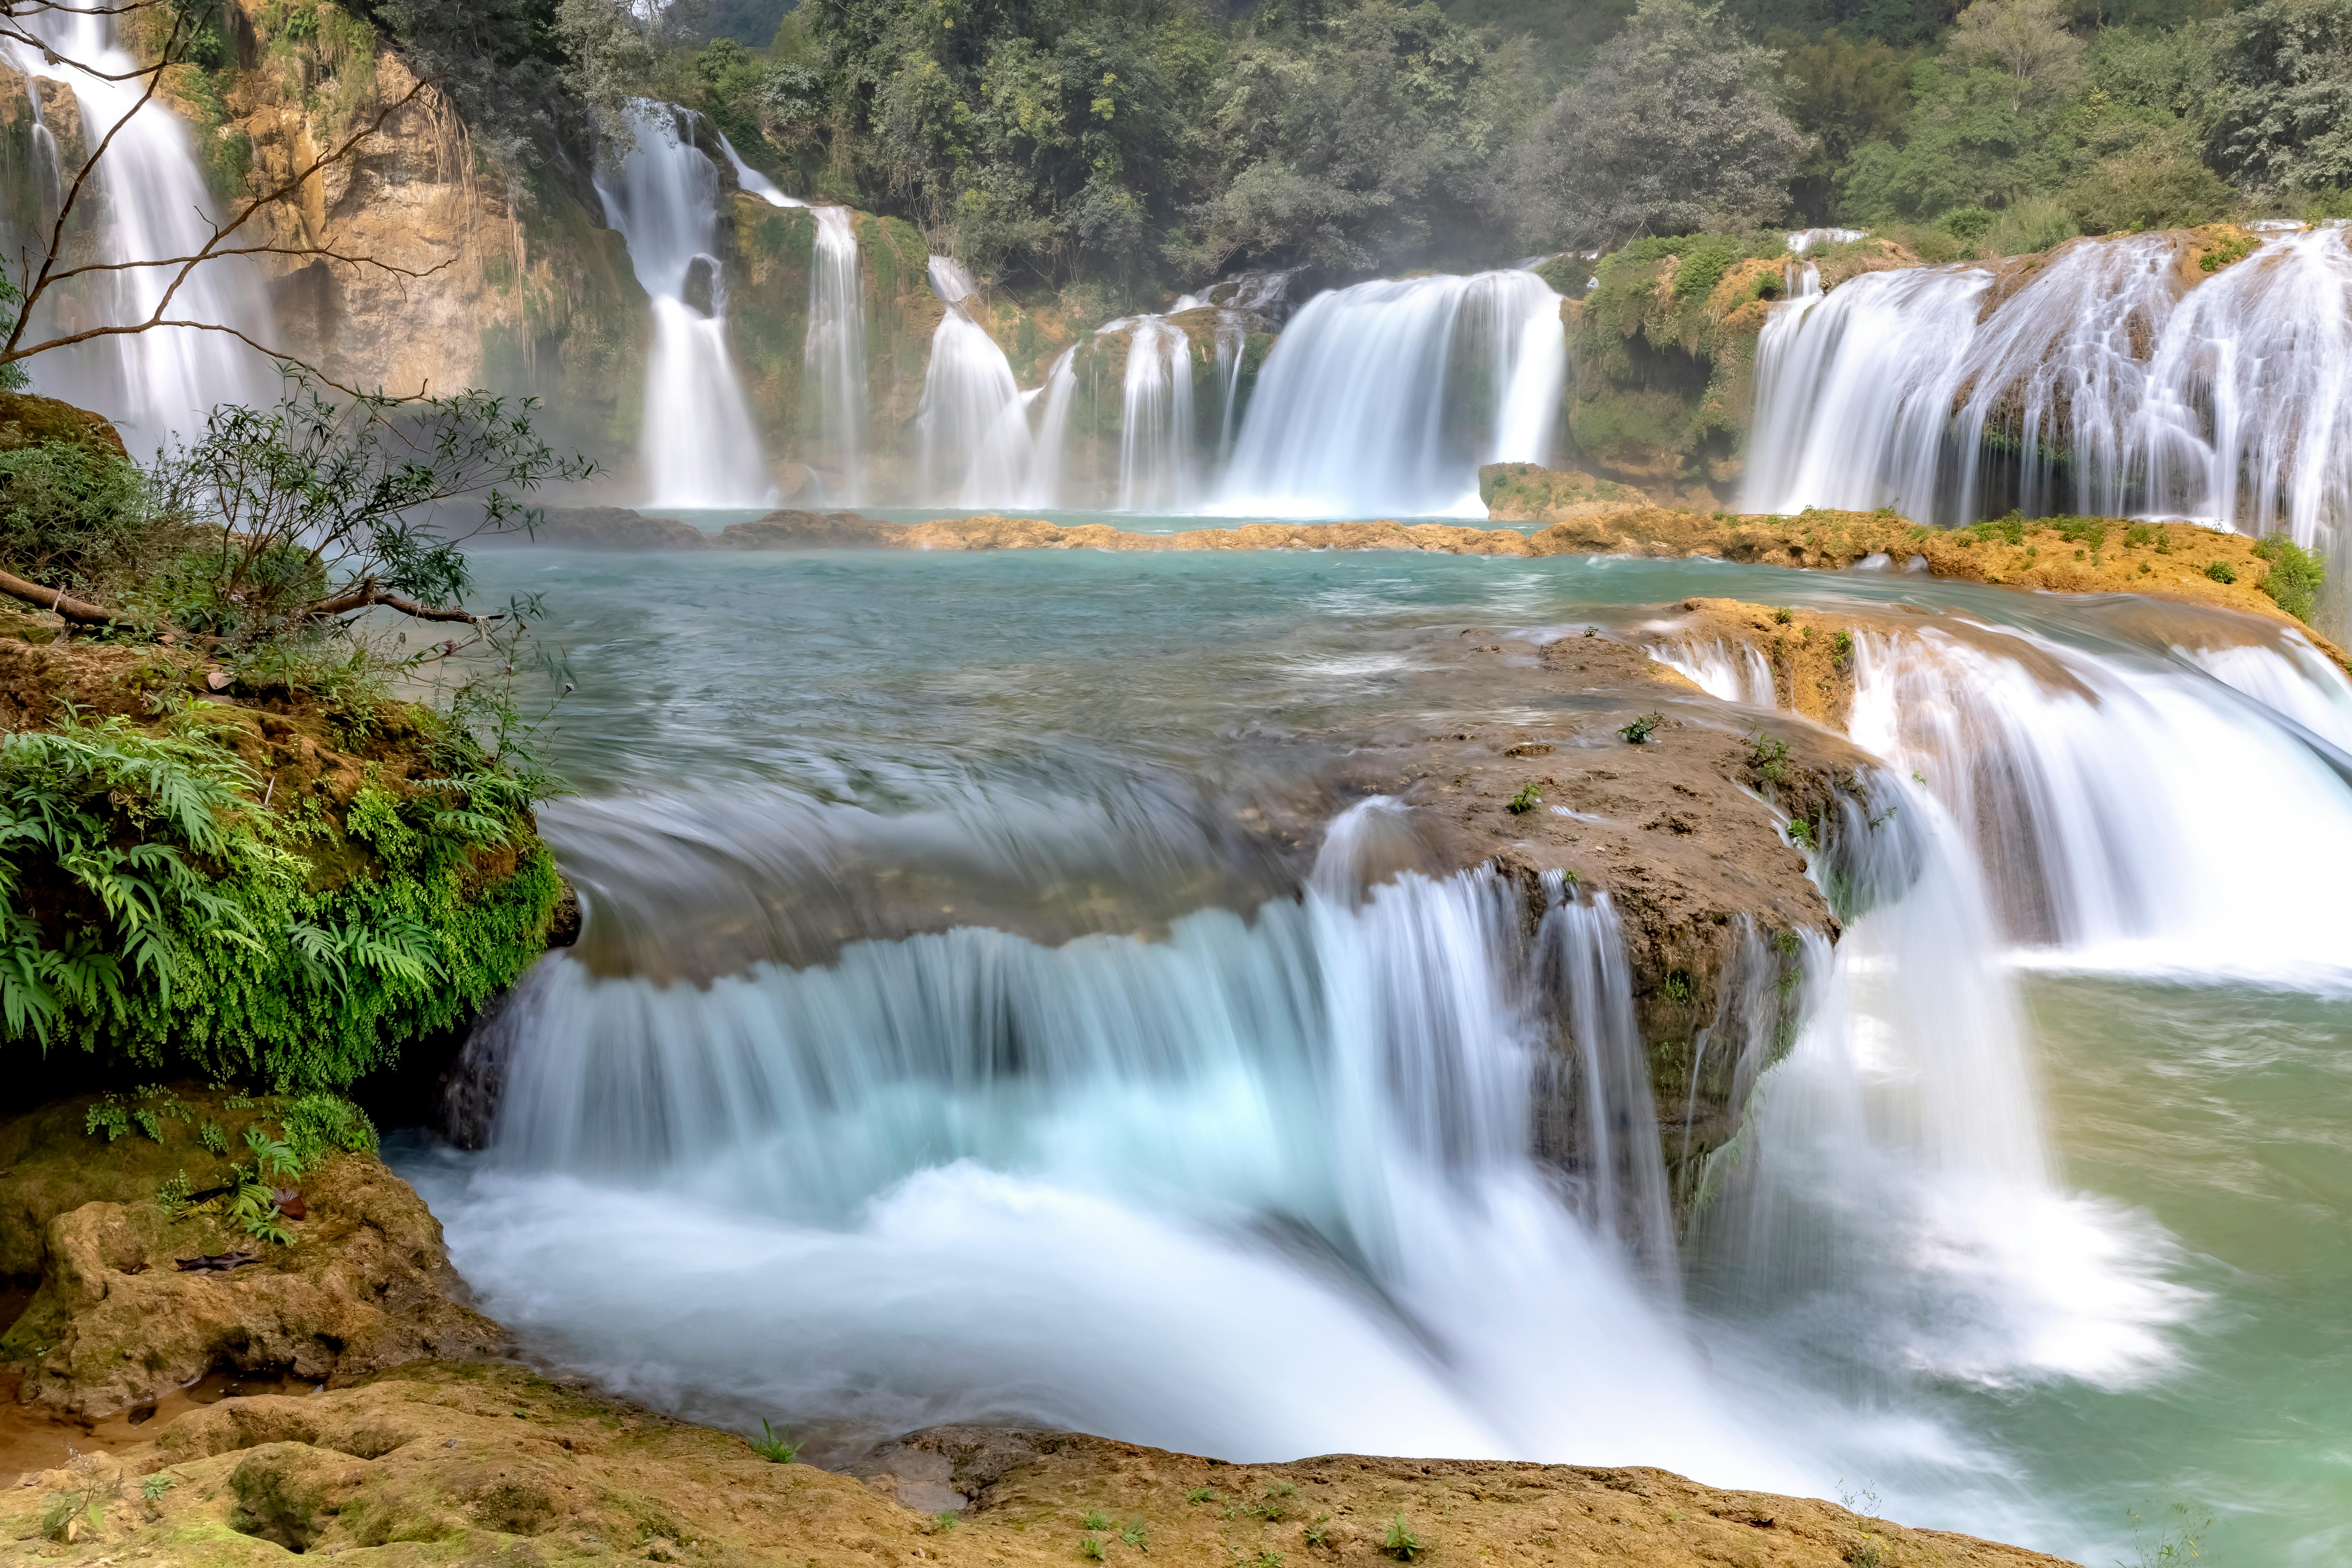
<point x="1968" y="224"/>
<point x="2222" y="572"/>
<point x="2031" y="225"/>
<point x="2295" y="575"/>
<point x="155" y="912"/>
<point x="72" y="515"/>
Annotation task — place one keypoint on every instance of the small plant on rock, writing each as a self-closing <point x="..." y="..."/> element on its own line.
<point x="773" y="1445"/>
<point x="2222" y="572"/>
<point x="1800" y="834"/>
<point x="1091" y="1548"/>
<point x="1094" y="1519"/>
<point x="1401" y="1543"/>
<point x="1201" y="1494"/>
<point x="1639" y="732"/>
<point x="1135" y="1535"/>
<point x="1526" y="801"/>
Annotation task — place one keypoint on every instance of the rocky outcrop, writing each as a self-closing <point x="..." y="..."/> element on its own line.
<point x="1522" y="492"/>
<point x="116" y="1321"/>
<point x="480" y="1464"/>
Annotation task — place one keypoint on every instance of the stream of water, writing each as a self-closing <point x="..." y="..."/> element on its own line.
<point x="958" y="1044"/>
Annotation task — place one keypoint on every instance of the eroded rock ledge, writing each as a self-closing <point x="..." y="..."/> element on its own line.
<point x="492" y="1463"/>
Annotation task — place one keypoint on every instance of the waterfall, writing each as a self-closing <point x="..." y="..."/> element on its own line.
<point x="965" y="1174"/>
<point x="699" y="447"/>
<point x="1732" y="674"/>
<point x="2086" y="787"/>
<point x="1387" y="396"/>
<point x="155" y="206"/>
<point x="972" y="425"/>
<point x="751" y="179"/>
<point x="2102" y="384"/>
<point x="1045" y="489"/>
<point x="1893" y="1202"/>
<point x="1155" y="443"/>
<point x="1582" y="967"/>
<point x="833" y="359"/>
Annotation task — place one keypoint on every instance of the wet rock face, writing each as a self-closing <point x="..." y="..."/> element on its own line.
<point x="1679" y="829"/>
<point x="701" y="291"/>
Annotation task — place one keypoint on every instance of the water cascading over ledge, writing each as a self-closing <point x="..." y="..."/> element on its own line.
<point x="992" y="1169"/>
<point x="2114" y="379"/>
<point x="155" y="205"/>
<point x="699" y="447"/>
<point x="1385" y="398"/>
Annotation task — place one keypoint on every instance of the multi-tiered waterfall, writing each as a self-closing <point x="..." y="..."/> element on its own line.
<point x="699" y="447"/>
<point x="2104" y="382"/>
<point x="155" y="208"/>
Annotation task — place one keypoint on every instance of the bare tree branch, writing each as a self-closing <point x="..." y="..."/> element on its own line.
<point x="56" y="600"/>
<point x="365" y="593"/>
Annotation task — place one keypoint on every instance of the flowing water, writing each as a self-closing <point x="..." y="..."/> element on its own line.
<point x="154" y="207"/>
<point x="834" y="357"/>
<point x="1006" y="1022"/>
<point x="699" y="448"/>
<point x="2102" y="384"/>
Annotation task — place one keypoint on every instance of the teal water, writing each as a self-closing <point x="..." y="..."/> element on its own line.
<point x="2204" y="1122"/>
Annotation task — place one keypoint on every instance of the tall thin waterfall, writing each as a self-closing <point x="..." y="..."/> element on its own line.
<point x="973" y="424"/>
<point x="2115" y="388"/>
<point x="699" y="447"/>
<point x="1387" y="396"/>
<point x="155" y="207"/>
<point x="833" y="358"/>
<point x="1044" y="488"/>
<point x="1155" y="448"/>
<point x="964" y="1175"/>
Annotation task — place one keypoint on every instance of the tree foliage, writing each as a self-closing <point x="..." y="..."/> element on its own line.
<point x="2283" y="111"/>
<point x="1673" y="129"/>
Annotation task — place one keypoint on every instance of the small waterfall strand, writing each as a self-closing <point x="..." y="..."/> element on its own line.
<point x="699" y="448"/>
<point x="834" y="357"/>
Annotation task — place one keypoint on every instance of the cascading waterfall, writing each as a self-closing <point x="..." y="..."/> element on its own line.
<point x="834" y="355"/>
<point x="699" y="447"/>
<point x="2086" y="787"/>
<point x="2115" y="389"/>
<point x="963" y="1175"/>
<point x="1387" y="396"/>
<point x="1155" y="447"/>
<point x="155" y="208"/>
<point x="1894" y="1203"/>
<point x="1734" y="674"/>
<point x="973" y="422"/>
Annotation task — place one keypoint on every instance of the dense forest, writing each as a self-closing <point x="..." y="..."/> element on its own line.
<point x="1156" y="143"/>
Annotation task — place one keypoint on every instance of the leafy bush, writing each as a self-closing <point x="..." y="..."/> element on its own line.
<point x="2160" y="184"/>
<point x="2281" y="118"/>
<point x="72" y="514"/>
<point x="2222" y="572"/>
<point x="2034" y="224"/>
<point x="154" y="911"/>
<point x="2295" y="575"/>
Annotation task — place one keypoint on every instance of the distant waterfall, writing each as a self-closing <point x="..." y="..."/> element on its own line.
<point x="833" y="359"/>
<point x="699" y="447"/>
<point x="973" y="423"/>
<point x="2111" y="385"/>
<point x="1155" y="448"/>
<point x="156" y="206"/>
<point x="1387" y="396"/>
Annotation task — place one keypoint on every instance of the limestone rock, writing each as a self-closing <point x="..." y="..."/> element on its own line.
<point x="365" y="1286"/>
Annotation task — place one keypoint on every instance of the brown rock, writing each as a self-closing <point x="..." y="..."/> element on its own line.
<point x="365" y="1286"/>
